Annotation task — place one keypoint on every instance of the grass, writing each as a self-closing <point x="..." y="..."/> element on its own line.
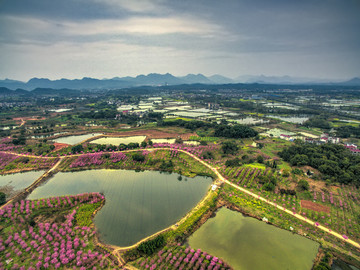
<point x="255" y="165"/>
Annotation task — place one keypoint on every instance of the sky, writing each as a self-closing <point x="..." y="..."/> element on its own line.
<point x="116" y="38"/>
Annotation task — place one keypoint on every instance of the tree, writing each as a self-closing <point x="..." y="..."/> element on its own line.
<point x="229" y="148"/>
<point x="260" y="159"/>
<point x="77" y="149"/>
<point x="143" y="144"/>
<point x="303" y="184"/>
<point x="2" y="198"/>
<point x="178" y="140"/>
<point x="150" y="246"/>
<point x="232" y="162"/>
<point x="138" y="157"/>
<point x="208" y="155"/>
<point x="299" y="160"/>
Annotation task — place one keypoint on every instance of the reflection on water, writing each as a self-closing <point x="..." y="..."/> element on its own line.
<point x="137" y="204"/>
<point x="247" y="243"/>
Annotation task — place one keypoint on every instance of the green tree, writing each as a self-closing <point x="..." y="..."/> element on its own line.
<point x="229" y="148"/>
<point x="303" y="184"/>
<point x="260" y="159"/>
<point x="77" y="149"/>
<point x="2" y="198"/>
<point x="143" y="144"/>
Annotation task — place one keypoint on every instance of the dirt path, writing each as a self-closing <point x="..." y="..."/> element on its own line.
<point x="355" y="244"/>
<point x="222" y="179"/>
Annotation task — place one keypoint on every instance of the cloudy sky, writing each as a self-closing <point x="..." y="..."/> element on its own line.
<point x="108" y="38"/>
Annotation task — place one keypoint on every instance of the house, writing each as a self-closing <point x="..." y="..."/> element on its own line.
<point x="286" y="137"/>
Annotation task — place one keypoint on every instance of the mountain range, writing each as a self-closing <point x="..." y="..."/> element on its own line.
<point x="154" y="79"/>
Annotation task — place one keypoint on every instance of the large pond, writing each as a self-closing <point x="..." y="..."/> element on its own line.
<point x="250" y="121"/>
<point x="118" y="140"/>
<point x="247" y="243"/>
<point x="76" y="138"/>
<point x="171" y="141"/>
<point x="138" y="204"/>
<point x="291" y="119"/>
<point x="11" y="184"/>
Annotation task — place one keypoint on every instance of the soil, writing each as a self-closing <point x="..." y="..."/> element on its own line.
<point x="316" y="185"/>
<point x="59" y="146"/>
<point x="314" y="206"/>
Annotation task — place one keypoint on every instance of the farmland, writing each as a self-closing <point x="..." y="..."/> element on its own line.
<point x="249" y="169"/>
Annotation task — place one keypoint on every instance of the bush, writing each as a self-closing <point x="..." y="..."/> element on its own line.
<point x="229" y="148"/>
<point x="138" y="157"/>
<point x="260" y="159"/>
<point x="208" y="155"/>
<point x="2" y="198"/>
<point x="303" y="184"/>
<point x="77" y="149"/>
<point x="232" y="162"/>
<point x="149" y="247"/>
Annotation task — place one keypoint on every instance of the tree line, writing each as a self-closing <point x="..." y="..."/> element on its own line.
<point x="220" y="130"/>
<point x="335" y="162"/>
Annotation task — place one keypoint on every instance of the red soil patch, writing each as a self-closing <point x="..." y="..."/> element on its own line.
<point x="314" y="206"/>
<point x="59" y="146"/>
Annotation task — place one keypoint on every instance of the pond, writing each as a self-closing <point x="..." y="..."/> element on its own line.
<point x="76" y="138"/>
<point x="11" y="184"/>
<point x="118" y="140"/>
<point x="241" y="241"/>
<point x="138" y="204"/>
<point x="250" y="121"/>
<point x="171" y="141"/>
<point x="190" y="114"/>
<point x="60" y="110"/>
<point x="291" y="119"/>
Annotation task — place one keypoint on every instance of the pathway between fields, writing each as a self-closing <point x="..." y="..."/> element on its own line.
<point x="221" y="178"/>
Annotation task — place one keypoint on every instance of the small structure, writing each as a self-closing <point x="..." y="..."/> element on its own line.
<point x="265" y="219"/>
<point x="214" y="187"/>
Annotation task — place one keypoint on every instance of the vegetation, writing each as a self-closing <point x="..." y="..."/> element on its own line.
<point x="150" y="246"/>
<point x="335" y="162"/>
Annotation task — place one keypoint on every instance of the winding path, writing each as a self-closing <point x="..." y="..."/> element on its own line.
<point x="351" y="242"/>
<point x="222" y="179"/>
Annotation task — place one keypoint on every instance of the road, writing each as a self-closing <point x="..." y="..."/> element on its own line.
<point x="222" y="179"/>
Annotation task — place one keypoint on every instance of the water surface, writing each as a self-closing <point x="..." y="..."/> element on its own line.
<point x="118" y="140"/>
<point x="138" y="204"/>
<point x="291" y="119"/>
<point x="76" y="138"/>
<point x="12" y="184"/>
<point x="247" y="243"/>
<point x="171" y="141"/>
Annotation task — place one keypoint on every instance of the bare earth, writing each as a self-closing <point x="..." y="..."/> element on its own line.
<point x="314" y="206"/>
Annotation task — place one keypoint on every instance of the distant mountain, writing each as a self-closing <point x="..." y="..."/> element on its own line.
<point x="155" y="79"/>
<point x="218" y="79"/>
<point x="353" y="82"/>
<point x="199" y="78"/>
<point x="152" y="79"/>
<point x="273" y="79"/>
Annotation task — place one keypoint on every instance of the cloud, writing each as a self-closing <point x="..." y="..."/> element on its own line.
<point x="136" y="6"/>
<point x="142" y="25"/>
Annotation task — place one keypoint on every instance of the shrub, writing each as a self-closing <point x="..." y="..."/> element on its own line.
<point x="303" y="184"/>
<point x="149" y="247"/>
